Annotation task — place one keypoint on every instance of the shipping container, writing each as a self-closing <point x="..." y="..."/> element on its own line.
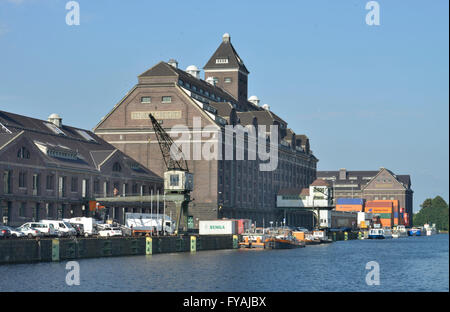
<point x="395" y="214"/>
<point x="378" y="209"/>
<point x="217" y="227"/>
<point x="299" y="235"/>
<point x="374" y="203"/>
<point x="384" y="215"/>
<point x="395" y="221"/>
<point x="350" y="201"/>
<point x="342" y="207"/>
<point x="386" y="222"/>
<point x="242" y="225"/>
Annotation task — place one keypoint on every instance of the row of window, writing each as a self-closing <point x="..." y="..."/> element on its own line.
<point x="74" y="185"/>
<point x="148" y="99"/>
<point x="194" y="88"/>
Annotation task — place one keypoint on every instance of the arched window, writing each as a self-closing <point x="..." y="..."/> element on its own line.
<point x="117" y="167"/>
<point x="23" y="153"/>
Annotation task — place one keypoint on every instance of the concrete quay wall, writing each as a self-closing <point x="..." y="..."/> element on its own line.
<point x="30" y="250"/>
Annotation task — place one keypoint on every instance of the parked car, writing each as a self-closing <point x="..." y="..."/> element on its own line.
<point x="110" y="231"/>
<point x="29" y="232"/>
<point x="62" y="226"/>
<point x="4" y="232"/>
<point x="44" y="228"/>
<point x="15" y="232"/>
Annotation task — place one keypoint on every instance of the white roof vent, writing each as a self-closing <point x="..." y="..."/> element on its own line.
<point x="55" y="119"/>
<point x="226" y="37"/>
<point x="254" y="99"/>
<point x="266" y="106"/>
<point x="173" y="62"/>
<point x="193" y="70"/>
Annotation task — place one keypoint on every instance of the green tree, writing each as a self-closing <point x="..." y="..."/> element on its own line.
<point x="433" y="211"/>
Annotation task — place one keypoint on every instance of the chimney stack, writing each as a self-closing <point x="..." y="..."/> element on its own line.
<point x="342" y="174"/>
<point x="173" y="62"/>
<point x="55" y="119"/>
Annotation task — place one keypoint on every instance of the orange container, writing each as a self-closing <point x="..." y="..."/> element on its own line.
<point x="299" y="235"/>
<point x="396" y="221"/>
<point x="349" y="208"/>
<point x="386" y="222"/>
<point x="378" y="209"/>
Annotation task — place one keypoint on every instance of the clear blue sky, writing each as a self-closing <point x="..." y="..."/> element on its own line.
<point x="367" y="97"/>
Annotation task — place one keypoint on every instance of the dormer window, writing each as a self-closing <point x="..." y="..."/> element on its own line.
<point x="194" y="88"/>
<point x="201" y="91"/>
<point x="222" y="61"/>
<point x="180" y="82"/>
<point x="146" y="99"/>
<point x="23" y="153"/>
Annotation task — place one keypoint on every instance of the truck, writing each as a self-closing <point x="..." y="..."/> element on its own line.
<point x="147" y="223"/>
<point x="88" y="225"/>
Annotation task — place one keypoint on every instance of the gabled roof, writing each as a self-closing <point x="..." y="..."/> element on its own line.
<point x="226" y="51"/>
<point x="359" y="177"/>
<point x="320" y="182"/>
<point x="68" y="150"/>
<point x="160" y="69"/>
<point x="246" y="118"/>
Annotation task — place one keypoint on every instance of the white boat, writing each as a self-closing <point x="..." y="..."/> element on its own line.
<point x="400" y="231"/>
<point x="429" y="230"/>
<point x="380" y="233"/>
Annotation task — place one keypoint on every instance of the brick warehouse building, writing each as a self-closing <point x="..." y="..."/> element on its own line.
<point x="52" y="171"/>
<point x="222" y="188"/>
<point x="371" y="185"/>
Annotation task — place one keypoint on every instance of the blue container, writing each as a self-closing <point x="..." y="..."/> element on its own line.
<point x="350" y="201"/>
<point x="395" y="214"/>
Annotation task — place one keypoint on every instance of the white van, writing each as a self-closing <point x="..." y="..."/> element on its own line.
<point x="62" y="226"/>
<point x="44" y="228"/>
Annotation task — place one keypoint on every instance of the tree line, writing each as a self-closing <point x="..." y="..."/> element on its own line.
<point x="433" y="211"/>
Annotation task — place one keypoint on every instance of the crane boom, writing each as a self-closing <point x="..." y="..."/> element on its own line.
<point x="167" y="145"/>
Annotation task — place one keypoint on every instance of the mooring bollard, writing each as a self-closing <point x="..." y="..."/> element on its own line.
<point x="148" y="246"/>
<point x="345" y="236"/>
<point x="55" y="249"/>
<point x="235" y="241"/>
<point x="334" y="236"/>
<point x="193" y="243"/>
<point x="359" y="235"/>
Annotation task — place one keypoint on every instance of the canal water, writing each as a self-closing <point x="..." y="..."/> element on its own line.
<point x="405" y="264"/>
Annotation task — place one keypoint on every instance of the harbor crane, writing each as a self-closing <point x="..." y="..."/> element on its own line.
<point x="178" y="181"/>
